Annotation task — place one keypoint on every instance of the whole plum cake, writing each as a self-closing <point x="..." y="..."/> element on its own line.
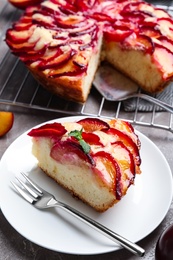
<point x="62" y="43"/>
<point x="93" y="159"/>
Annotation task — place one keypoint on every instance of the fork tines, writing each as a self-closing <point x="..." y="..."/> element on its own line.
<point x="29" y="190"/>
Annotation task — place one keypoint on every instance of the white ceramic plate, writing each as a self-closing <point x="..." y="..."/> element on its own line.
<point x="134" y="217"/>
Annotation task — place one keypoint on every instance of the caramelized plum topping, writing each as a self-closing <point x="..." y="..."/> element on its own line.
<point x="109" y="170"/>
<point x="93" y="124"/>
<point x="164" y="56"/>
<point x="101" y="17"/>
<point x="166" y="25"/>
<point x="141" y="5"/>
<point x="84" y="5"/>
<point x="167" y="43"/>
<point x="23" y="4"/>
<point x="69" y="151"/>
<point x="117" y="33"/>
<point x="160" y="13"/>
<point x="76" y="72"/>
<point x="141" y="42"/>
<point x="122" y="125"/>
<point x="57" y="59"/>
<point x="50" y="130"/>
<point x="127" y="140"/>
<point x="126" y="127"/>
<point x="150" y="31"/>
<point x="125" y="160"/>
<point x="91" y="138"/>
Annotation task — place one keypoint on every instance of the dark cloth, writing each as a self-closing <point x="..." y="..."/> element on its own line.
<point x="143" y="105"/>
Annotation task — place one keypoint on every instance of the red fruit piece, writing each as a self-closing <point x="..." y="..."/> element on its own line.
<point x="108" y="169"/>
<point x="72" y="21"/>
<point x="18" y="36"/>
<point x="167" y="43"/>
<point x="86" y="27"/>
<point x="127" y="128"/>
<point x="91" y="138"/>
<point x="84" y="5"/>
<point x="76" y="72"/>
<point x="159" y="12"/>
<point x="127" y="141"/>
<point x="140" y="6"/>
<point x="93" y="124"/>
<point x="31" y="55"/>
<point x="166" y="23"/>
<point x="22" y="4"/>
<point x="164" y="56"/>
<point x="66" y="5"/>
<point x="141" y="42"/>
<point x="69" y="151"/>
<point x="101" y="17"/>
<point x="134" y="16"/>
<point x="125" y="160"/>
<point x="50" y="130"/>
<point x="117" y="33"/>
<point x="122" y="125"/>
<point x="56" y="60"/>
<point x="150" y="29"/>
<point x="16" y="40"/>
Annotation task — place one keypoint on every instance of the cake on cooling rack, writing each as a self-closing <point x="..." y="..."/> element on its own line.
<point x="93" y="159"/>
<point x="62" y="43"/>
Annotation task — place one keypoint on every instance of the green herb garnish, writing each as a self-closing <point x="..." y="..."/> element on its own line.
<point x="78" y="135"/>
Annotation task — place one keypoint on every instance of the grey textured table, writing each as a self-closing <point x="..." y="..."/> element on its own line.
<point x="15" y="247"/>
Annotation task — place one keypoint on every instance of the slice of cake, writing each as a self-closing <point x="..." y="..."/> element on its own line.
<point x="93" y="159"/>
<point x="63" y="42"/>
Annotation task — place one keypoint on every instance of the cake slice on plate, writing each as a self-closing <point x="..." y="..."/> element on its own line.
<point x="93" y="159"/>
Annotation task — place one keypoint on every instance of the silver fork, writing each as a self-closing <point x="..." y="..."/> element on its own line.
<point x="41" y="199"/>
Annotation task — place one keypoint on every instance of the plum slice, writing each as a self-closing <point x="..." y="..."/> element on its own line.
<point x="23" y="4"/>
<point x="108" y="169"/>
<point x="56" y="60"/>
<point x="125" y="160"/>
<point x="166" y="24"/>
<point x="91" y="138"/>
<point x="93" y="124"/>
<point x="49" y="130"/>
<point x="117" y="33"/>
<point x="140" y="6"/>
<point x="127" y="141"/>
<point x="141" y="42"/>
<point x="126" y="127"/>
<point x="164" y="56"/>
<point x="70" y="152"/>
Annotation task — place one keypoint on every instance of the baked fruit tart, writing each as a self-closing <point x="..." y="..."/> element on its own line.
<point x="95" y="160"/>
<point x="62" y="43"/>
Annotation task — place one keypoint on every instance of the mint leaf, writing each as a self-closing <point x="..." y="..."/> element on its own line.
<point x="78" y="135"/>
<point x="86" y="147"/>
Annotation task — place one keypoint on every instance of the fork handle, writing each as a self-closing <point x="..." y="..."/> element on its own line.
<point x="134" y="248"/>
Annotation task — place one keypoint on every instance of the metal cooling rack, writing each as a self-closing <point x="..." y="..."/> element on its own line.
<point x="18" y="88"/>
